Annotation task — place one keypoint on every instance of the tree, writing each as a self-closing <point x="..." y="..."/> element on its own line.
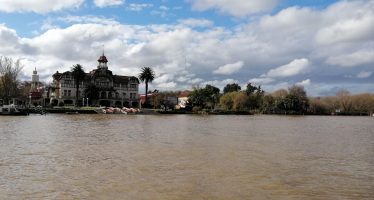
<point x="78" y="76"/>
<point x="212" y="95"/>
<point x="345" y="100"/>
<point x="296" y="100"/>
<point x="241" y="101"/>
<point x="250" y="89"/>
<point x="233" y="87"/>
<point x="9" y="71"/>
<point x="268" y="104"/>
<point x="204" y="97"/>
<point x="227" y="100"/>
<point x="147" y="75"/>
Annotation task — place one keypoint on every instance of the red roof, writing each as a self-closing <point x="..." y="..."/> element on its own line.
<point x="103" y="59"/>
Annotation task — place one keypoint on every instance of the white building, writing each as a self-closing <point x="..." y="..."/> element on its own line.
<point x="100" y="87"/>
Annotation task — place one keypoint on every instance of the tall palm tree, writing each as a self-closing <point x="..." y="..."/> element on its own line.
<point x="147" y="75"/>
<point x="78" y="75"/>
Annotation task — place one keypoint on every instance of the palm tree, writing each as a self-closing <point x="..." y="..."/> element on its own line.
<point x="78" y="76"/>
<point x="147" y="75"/>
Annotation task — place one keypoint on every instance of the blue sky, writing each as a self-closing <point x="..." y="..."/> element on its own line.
<point x="323" y="45"/>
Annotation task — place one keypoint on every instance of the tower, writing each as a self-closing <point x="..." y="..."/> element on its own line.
<point x="102" y="62"/>
<point x="34" y="80"/>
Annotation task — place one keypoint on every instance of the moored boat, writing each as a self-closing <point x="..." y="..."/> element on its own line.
<point x="12" y="110"/>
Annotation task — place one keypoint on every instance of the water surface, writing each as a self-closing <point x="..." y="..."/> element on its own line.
<point x="186" y="157"/>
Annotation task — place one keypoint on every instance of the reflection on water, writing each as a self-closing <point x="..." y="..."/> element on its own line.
<point x="186" y="157"/>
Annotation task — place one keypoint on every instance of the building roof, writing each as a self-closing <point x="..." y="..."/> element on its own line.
<point x="103" y="59"/>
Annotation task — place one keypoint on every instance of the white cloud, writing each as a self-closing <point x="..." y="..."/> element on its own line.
<point x="237" y="8"/>
<point x="304" y="83"/>
<point x="38" y="6"/>
<point x="295" y="67"/>
<point x="139" y="6"/>
<point x="87" y="19"/>
<point x="261" y="80"/>
<point x="229" y="68"/>
<point x="191" y="22"/>
<point x="106" y="3"/>
<point x="167" y="86"/>
<point x="349" y="26"/>
<point x="353" y="59"/>
<point x="364" y="74"/>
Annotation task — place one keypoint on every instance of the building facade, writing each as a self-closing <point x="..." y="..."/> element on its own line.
<point x="99" y="88"/>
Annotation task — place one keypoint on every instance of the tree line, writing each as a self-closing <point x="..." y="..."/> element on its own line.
<point x="293" y="100"/>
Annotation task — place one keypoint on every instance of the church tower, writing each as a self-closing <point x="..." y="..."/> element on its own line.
<point x="34" y="80"/>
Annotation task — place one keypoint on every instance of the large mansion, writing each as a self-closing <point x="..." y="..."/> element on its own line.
<point x="99" y="87"/>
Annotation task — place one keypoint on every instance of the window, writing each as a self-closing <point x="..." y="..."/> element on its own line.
<point x="69" y="93"/>
<point x="132" y="95"/>
<point x="124" y="95"/>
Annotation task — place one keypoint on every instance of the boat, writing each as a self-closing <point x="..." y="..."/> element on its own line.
<point x="12" y="110"/>
<point x="111" y="110"/>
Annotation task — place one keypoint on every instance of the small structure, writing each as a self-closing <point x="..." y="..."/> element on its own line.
<point x="182" y="100"/>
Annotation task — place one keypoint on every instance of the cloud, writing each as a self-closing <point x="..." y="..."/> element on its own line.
<point x="261" y="80"/>
<point x="358" y="58"/>
<point x="88" y="19"/>
<point x="139" y="6"/>
<point x="304" y="83"/>
<point x="107" y="3"/>
<point x="295" y="67"/>
<point x="191" y="22"/>
<point x="237" y="8"/>
<point x="38" y="6"/>
<point x="364" y="74"/>
<point x="229" y="68"/>
<point x="167" y="86"/>
<point x="347" y="26"/>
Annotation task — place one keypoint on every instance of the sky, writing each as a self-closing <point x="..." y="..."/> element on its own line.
<point x="323" y="45"/>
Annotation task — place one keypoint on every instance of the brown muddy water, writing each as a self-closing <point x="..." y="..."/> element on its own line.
<point x="186" y="157"/>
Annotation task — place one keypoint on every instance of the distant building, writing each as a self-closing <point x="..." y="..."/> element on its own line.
<point x="99" y="87"/>
<point x="182" y="99"/>
<point x="36" y="90"/>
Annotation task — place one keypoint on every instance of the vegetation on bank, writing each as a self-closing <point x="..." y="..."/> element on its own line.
<point x="253" y="99"/>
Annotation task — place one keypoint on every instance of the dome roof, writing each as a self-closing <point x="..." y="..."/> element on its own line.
<point x="103" y="59"/>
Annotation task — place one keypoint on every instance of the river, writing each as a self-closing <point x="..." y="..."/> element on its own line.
<point x="186" y="157"/>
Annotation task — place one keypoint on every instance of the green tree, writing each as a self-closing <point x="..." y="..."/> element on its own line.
<point x="147" y="75"/>
<point x="212" y="95"/>
<point x="250" y="89"/>
<point x="9" y="71"/>
<point x="204" y="97"/>
<point x="241" y="101"/>
<point x="231" y="87"/>
<point x="78" y="76"/>
<point x="268" y="104"/>
<point x="227" y="100"/>
<point x="296" y="100"/>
